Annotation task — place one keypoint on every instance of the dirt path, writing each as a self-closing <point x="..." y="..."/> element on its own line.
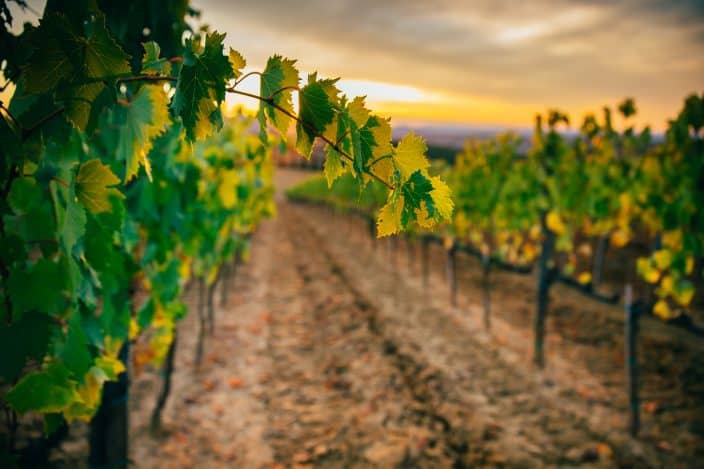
<point x="327" y="355"/>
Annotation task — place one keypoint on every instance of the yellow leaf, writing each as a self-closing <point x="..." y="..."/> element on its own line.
<point x="384" y="168"/>
<point x="555" y="223"/>
<point x="667" y="286"/>
<point x="662" y="258"/>
<point x="410" y="155"/>
<point x="138" y="136"/>
<point x="422" y="217"/>
<point x="646" y="270"/>
<point x="93" y="186"/>
<point x="237" y="62"/>
<point x="89" y="394"/>
<point x="626" y="203"/>
<point x="442" y="198"/>
<point x="689" y="265"/>
<point x="227" y="189"/>
<point x="382" y="137"/>
<point x="535" y="233"/>
<point x="184" y="269"/>
<point x="529" y="251"/>
<point x="684" y="293"/>
<point x="584" y="278"/>
<point x="358" y="113"/>
<point x="389" y="220"/>
<point x="619" y="238"/>
<point x="672" y="239"/>
<point x="662" y="309"/>
<point x="134" y="329"/>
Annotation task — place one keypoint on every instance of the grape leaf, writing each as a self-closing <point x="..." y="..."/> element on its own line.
<point x="316" y="111"/>
<point x="279" y="73"/>
<point x="137" y="123"/>
<point x="26" y="338"/>
<point x="237" y="62"/>
<point x="442" y="199"/>
<point x="201" y="85"/>
<point x="152" y="62"/>
<point x="389" y="219"/>
<point x="62" y="53"/>
<point x="45" y="391"/>
<point x="93" y="186"/>
<point x="358" y="112"/>
<point x="416" y="193"/>
<point x="74" y="224"/>
<point x="227" y="189"/>
<point x="47" y="295"/>
<point x="333" y="166"/>
<point x="74" y="351"/>
<point x="409" y="156"/>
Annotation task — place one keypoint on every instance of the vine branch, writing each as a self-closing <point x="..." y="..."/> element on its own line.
<point x="268" y="100"/>
<point x="246" y="75"/>
<point x="307" y="125"/>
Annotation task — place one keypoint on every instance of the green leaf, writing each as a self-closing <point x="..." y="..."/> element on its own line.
<point x="78" y="101"/>
<point x="279" y="73"/>
<point x="93" y="186"/>
<point x="48" y="280"/>
<point x="25" y="195"/>
<point x="70" y="217"/>
<point x="74" y="351"/>
<point x="152" y="62"/>
<point x="316" y="111"/>
<point x="416" y="196"/>
<point x="64" y="55"/>
<point x="201" y="86"/>
<point x="137" y="123"/>
<point x="27" y="338"/>
<point x="47" y="391"/>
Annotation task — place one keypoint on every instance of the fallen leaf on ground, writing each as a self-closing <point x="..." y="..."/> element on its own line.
<point x="651" y="407"/>
<point x="235" y="383"/>
<point x="209" y="384"/>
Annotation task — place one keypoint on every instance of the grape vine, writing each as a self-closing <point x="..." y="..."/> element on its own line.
<point x="121" y="179"/>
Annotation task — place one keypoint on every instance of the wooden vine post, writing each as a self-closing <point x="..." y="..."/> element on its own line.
<point x="110" y="425"/>
<point x="166" y="374"/>
<point x="486" y="299"/>
<point x="546" y="276"/>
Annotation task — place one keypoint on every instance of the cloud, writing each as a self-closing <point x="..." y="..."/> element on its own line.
<point x="541" y="53"/>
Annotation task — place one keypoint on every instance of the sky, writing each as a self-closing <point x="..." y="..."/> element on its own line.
<point x="490" y="62"/>
<point x="479" y="62"/>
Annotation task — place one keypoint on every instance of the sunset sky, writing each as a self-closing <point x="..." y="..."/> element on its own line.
<point x="489" y="62"/>
<point x="482" y="61"/>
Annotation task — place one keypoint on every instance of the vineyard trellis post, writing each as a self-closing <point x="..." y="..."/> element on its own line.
<point x="599" y="256"/>
<point x="166" y="374"/>
<point x="546" y="276"/>
<point x="109" y="427"/>
<point x="486" y="270"/>
<point x="451" y="267"/>
<point x="201" y="323"/>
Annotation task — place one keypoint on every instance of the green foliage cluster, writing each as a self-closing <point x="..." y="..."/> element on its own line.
<point x="121" y="179"/>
